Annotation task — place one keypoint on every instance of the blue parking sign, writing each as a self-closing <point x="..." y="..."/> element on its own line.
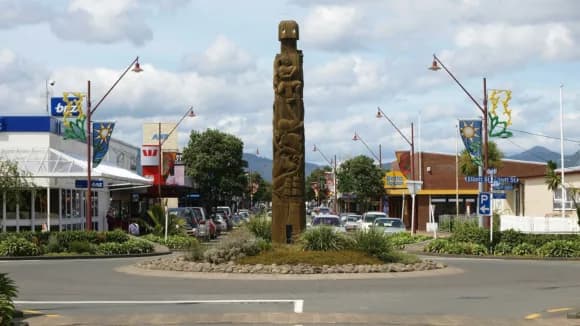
<point x="484" y="202"/>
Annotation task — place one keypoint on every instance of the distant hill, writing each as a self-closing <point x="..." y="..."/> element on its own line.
<point x="263" y="166"/>
<point x="542" y="154"/>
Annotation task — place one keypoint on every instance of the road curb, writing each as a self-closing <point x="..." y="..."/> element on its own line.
<point x="151" y="254"/>
<point x="430" y="254"/>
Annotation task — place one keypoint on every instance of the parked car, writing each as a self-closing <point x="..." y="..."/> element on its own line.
<point x="369" y="218"/>
<point x="191" y="224"/>
<point x="245" y="215"/>
<point x="390" y="224"/>
<point x="328" y="220"/>
<point x="220" y="222"/>
<point x="226" y="212"/>
<point x="351" y="222"/>
<point x="207" y="229"/>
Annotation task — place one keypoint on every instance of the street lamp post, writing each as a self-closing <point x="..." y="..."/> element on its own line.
<point x="333" y="166"/>
<point x="483" y="108"/>
<point x="135" y="67"/>
<point x="379" y="158"/>
<point x="188" y="113"/>
<point x="381" y="114"/>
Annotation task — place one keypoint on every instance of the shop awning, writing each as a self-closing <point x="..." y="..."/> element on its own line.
<point x="50" y="163"/>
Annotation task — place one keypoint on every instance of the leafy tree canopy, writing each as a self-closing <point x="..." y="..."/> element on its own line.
<point x="317" y="176"/>
<point x="214" y="160"/>
<point x="495" y="156"/>
<point x="361" y="177"/>
<point x="13" y="181"/>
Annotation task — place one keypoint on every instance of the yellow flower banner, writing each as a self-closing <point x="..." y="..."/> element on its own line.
<point x="498" y="124"/>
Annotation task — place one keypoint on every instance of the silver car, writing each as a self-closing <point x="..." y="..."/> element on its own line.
<point x="390" y="224"/>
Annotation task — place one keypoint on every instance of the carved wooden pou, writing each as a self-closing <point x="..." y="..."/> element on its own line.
<point x="288" y="208"/>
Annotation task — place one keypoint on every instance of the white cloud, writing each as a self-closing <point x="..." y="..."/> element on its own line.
<point x="334" y="28"/>
<point x="222" y="56"/>
<point x="15" y="13"/>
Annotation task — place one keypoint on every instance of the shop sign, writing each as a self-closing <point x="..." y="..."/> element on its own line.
<point x="395" y="179"/>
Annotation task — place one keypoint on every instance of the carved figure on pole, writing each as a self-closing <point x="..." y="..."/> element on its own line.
<point x="288" y="208"/>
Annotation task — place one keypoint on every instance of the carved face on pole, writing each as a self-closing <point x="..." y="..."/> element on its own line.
<point x="288" y="30"/>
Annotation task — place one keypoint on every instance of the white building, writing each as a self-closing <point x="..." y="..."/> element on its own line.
<point x="58" y="169"/>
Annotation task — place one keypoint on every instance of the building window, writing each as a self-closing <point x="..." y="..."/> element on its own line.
<point x="559" y="202"/>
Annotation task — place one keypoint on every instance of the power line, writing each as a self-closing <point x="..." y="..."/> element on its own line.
<point x="546" y="136"/>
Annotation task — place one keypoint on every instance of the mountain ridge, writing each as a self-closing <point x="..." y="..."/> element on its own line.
<point x="263" y="165"/>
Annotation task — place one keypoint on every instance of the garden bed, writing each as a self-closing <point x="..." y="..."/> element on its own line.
<point x="180" y="263"/>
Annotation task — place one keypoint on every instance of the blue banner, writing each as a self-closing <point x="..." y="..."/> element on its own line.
<point x="471" y="136"/>
<point x="102" y="132"/>
<point x="58" y="106"/>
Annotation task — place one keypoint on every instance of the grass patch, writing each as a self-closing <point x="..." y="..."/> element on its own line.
<point x="293" y="255"/>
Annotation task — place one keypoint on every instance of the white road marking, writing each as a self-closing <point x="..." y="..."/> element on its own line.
<point x="298" y="304"/>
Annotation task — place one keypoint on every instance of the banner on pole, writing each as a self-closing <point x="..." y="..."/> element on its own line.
<point x="102" y="132"/>
<point x="471" y="137"/>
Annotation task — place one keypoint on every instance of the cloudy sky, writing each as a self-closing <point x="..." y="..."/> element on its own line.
<point x="217" y="56"/>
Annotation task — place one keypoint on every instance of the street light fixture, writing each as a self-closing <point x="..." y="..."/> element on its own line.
<point x="435" y="66"/>
<point x="356" y="137"/>
<point x="135" y="67"/>
<point x="189" y="113"/>
<point x="333" y="166"/>
<point x="381" y="114"/>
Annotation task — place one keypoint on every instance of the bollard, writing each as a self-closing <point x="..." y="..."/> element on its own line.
<point x="288" y="233"/>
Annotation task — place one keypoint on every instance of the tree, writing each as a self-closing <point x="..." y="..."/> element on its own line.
<point x="361" y="177"/>
<point x="264" y="191"/>
<point x="13" y="181"/>
<point x="317" y="176"/>
<point x="553" y="181"/>
<point x="214" y="160"/>
<point x="494" y="159"/>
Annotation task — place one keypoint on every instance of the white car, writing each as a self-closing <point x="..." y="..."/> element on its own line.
<point x="351" y="222"/>
<point x="390" y="224"/>
<point x="369" y="218"/>
<point x="328" y="220"/>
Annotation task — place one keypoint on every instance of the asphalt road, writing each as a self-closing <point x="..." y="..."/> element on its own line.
<point x="497" y="291"/>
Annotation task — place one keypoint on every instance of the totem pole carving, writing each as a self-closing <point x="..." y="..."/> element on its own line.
<point x="288" y="208"/>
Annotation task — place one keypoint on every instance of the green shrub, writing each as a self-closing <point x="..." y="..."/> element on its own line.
<point x="15" y="246"/>
<point x="400" y="257"/>
<point x="437" y="246"/>
<point x="512" y="237"/>
<point x="373" y="242"/>
<point x="137" y="246"/>
<point x="323" y="238"/>
<point x="524" y="249"/>
<point x="82" y="247"/>
<point x="294" y="255"/>
<point x="117" y="236"/>
<point x="401" y="239"/>
<point x="470" y="232"/>
<point x="502" y="249"/>
<point x="196" y="252"/>
<point x="260" y="227"/>
<point x="132" y="246"/>
<point x="560" y="248"/>
<point x="239" y="243"/>
<point x="8" y="292"/>
<point x="153" y="238"/>
<point x="465" y="248"/>
<point x="180" y="242"/>
<point x="53" y="245"/>
<point x="446" y="246"/>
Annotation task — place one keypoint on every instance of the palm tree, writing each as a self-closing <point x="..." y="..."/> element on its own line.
<point x="8" y="292"/>
<point x="494" y="157"/>
<point x="156" y="222"/>
<point x="553" y="181"/>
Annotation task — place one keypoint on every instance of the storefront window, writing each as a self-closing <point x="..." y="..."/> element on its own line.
<point x="24" y="206"/>
<point x="10" y="209"/>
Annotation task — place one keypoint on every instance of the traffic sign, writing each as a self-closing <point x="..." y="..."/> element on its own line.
<point x="484" y="201"/>
<point x="499" y="195"/>
<point x="83" y="183"/>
